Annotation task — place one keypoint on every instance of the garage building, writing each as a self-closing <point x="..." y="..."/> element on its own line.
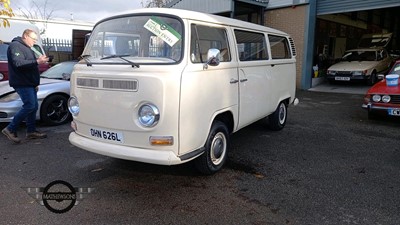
<point x="321" y="29"/>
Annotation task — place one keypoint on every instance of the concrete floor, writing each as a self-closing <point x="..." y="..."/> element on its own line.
<point x="341" y="87"/>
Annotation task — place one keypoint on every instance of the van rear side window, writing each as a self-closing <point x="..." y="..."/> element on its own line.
<point x="279" y="47"/>
<point x="251" y="46"/>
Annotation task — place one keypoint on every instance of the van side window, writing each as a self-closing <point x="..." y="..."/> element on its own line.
<point x="251" y="46"/>
<point x="279" y="47"/>
<point x="203" y="38"/>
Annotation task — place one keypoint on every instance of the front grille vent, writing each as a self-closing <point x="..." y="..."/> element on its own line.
<point x="131" y="85"/>
<point x="395" y="99"/>
<point x="87" y="82"/>
<point x="3" y="115"/>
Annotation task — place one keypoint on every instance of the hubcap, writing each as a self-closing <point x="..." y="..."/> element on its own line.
<point x="218" y="148"/>
<point x="282" y="114"/>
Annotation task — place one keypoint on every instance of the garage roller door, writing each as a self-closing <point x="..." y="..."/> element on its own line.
<point x="340" y="6"/>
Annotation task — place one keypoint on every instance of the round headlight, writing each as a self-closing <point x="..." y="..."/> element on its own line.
<point x="376" y="98"/>
<point x="386" y="98"/>
<point x="73" y="106"/>
<point x="148" y="115"/>
<point x="1" y="76"/>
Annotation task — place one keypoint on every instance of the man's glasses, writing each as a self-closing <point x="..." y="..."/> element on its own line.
<point x="35" y="39"/>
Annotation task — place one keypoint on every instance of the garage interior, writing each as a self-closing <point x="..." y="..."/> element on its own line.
<point x="335" y="33"/>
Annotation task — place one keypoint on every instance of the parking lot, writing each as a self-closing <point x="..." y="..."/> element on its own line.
<point x="329" y="165"/>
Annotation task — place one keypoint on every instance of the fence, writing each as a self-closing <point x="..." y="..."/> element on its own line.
<point x="60" y="49"/>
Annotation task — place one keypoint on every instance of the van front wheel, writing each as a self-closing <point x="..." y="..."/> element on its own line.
<point x="216" y="148"/>
<point x="277" y="120"/>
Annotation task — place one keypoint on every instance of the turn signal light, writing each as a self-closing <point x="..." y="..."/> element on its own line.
<point x="162" y="140"/>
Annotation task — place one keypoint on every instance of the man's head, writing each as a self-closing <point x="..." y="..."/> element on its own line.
<point x="29" y="37"/>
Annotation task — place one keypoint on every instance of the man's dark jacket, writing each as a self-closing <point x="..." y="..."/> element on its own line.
<point x="23" y="70"/>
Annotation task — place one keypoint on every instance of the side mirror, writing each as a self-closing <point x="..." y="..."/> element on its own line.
<point x="66" y="76"/>
<point x="213" y="56"/>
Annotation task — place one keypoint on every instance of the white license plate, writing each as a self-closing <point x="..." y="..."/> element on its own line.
<point x="343" y="78"/>
<point x="394" y="112"/>
<point x="108" y="135"/>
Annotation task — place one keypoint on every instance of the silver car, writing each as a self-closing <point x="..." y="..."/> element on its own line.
<point x="53" y="96"/>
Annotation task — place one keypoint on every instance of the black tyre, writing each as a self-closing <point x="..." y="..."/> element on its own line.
<point x="277" y="120"/>
<point x="216" y="149"/>
<point x="372" y="79"/>
<point x="54" y="110"/>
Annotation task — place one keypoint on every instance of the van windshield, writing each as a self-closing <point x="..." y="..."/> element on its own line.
<point x="142" y="39"/>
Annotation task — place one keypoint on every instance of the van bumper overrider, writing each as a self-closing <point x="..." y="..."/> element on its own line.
<point x="125" y="152"/>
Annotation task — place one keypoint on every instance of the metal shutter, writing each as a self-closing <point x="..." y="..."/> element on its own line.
<point x="340" y="6"/>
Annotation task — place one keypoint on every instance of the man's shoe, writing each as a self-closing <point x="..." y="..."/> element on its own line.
<point x="36" y="135"/>
<point x="10" y="135"/>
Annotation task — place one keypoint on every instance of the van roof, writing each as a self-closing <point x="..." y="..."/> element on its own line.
<point x="199" y="16"/>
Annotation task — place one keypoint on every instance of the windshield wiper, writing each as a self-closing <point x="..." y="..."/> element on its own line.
<point x="122" y="57"/>
<point x="85" y="57"/>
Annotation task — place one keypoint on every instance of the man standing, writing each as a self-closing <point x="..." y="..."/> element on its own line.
<point x="24" y="77"/>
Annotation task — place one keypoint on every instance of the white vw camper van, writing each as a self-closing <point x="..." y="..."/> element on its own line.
<point x="166" y="86"/>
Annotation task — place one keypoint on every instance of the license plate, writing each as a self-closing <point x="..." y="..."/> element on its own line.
<point x="394" y="112"/>
<point x="343" y="78"/>
<point x="108" y="135"/>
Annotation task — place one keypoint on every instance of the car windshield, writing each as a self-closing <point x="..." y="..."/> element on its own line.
<point x="59" y="71"/>
<point x="359" y="56"/>
<point x="395" y="69"/>
<point x="141" y="39"/>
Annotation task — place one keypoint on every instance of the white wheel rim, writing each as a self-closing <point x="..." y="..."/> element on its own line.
<point x="218" y="148"/>
<point x="282" y="113"/>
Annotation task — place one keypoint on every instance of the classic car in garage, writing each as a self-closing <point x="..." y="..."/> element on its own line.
<point x="364" y="63"/>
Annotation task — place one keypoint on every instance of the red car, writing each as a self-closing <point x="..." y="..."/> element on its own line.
<point x="383" y="99"/>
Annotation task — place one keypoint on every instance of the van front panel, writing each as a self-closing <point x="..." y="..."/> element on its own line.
<point x="114" y="110"/>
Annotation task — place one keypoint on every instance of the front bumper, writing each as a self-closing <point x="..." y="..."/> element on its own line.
<point x="9" y="109"/>
<point x="391" y="110"/>
<point x="124" y="152"/>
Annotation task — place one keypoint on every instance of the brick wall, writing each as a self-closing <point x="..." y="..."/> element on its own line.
<point x="292" y="21"/>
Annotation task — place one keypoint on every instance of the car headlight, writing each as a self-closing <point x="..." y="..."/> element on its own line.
<point x="357" y="73"/>
<point x="376" y="98"/>
<point x="1" y="76"/>
<point x="73" y="106"/>
<point x="10" y="97"/>
<point x="331" y="72"/>
<point x="148" y="115"/>
<point x="386" y="98"/>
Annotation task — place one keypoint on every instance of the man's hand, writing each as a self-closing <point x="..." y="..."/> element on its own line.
<point x="42" y="59"/>
<point x="37" y="88"/>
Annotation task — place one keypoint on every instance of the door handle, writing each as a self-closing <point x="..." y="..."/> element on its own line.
<point x="233" y="81"/>
<point x="243" y="80"/>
